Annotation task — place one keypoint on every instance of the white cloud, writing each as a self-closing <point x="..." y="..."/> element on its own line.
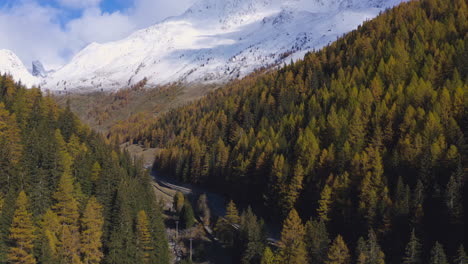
<point x="79" y="3"/>
<point x="29" y="30"/>
<point x="95" y="26"/>
<point x="34" y="32"/>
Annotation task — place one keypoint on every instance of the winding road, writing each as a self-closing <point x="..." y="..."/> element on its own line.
<point x="216" y="202"/>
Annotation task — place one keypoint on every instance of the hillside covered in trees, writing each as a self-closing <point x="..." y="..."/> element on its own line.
<point x="367" y="138"/>
<point x="67" y="196"/>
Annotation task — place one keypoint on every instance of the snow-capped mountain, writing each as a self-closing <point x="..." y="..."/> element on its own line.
<point x="214" y="41"/>
<point x="38" y="69"/>
<point x="11" y="64"/>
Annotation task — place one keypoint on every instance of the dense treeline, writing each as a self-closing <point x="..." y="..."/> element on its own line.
<point x="67" y="196"/>
<point x="367" y="136"/>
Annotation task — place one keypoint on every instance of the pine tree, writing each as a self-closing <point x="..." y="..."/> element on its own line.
<point x="461" y="257"/>
<point x="144" y="242"/>
<point x="188" y="217"/>
<point x="338" y="252"/>
<point x="232" y="215"/>
<point x="91" y="236"/>
<point x="453" y="198"/>
<point x="22" y="234"/>
<point x="324" y="204"/>
<point x="268" y="256"/>
<point x="375" y="254"/>
<point x="369" y="252"/>
<point x="413" y="250"/>
<point x="317" y="240"/>
<point x="438" y="254"/>
<point x="291" y="246"/>
<point x="252" y="238"/>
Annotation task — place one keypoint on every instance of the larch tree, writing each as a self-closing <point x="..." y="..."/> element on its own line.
<point x="66" y="208"/>
<point x="144" y="241"/>
<point x="91" y="235"/>
<point x="292" y="191"/>
<point x="338" y="252"/>
<point x="232" y="214"/>
<point x="95" y="172"/>
<point x="292" y="248"/>
<point x="22" y="234"/>
<point x="50" y="227"/>
<point x="11" y="149"/>
<point x="324" y="203"/>
<point x="178" y="202"/>
<point x="268" y="256"/>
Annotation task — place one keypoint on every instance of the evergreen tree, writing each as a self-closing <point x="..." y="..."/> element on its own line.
<point x="291" y="245"/>
<point x="91" y="235"/>
<point x="252" y="237"/>
<point x="338" y="252"/>
<point x="369" y="252"/>
<point x="453" y="198"/>
<point x="413" y="250"/>
<point x="461" y="257"/>
<point x="375" y="254"/>
<point x="22" y="234"/>
<point x="144" y="242"/>
<point x="317" y="240"/>
<point x="438" y="255"/>
<point x="188" y="217"/>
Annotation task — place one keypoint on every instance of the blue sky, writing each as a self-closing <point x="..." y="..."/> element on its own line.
<point x="53" y="31"/>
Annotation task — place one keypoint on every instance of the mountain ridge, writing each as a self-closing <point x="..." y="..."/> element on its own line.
<point x="213" y="42"/>
<point x="11" y="64"/>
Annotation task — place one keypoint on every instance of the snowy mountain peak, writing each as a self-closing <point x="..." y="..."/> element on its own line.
<point x="38" y="69"/>
<point x="11" y="64"/>
<point x="214" y="41"/>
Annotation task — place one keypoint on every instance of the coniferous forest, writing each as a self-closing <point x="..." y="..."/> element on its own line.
<point x="359" y="150"/>
<point x="67" y="196"/>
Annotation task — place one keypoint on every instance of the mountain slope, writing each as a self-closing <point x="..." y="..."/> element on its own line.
<point x="368" y="134"/>
<point x="11" y="64"/>
<point x="66" y="170"/>
<point x="214" y="41"/>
